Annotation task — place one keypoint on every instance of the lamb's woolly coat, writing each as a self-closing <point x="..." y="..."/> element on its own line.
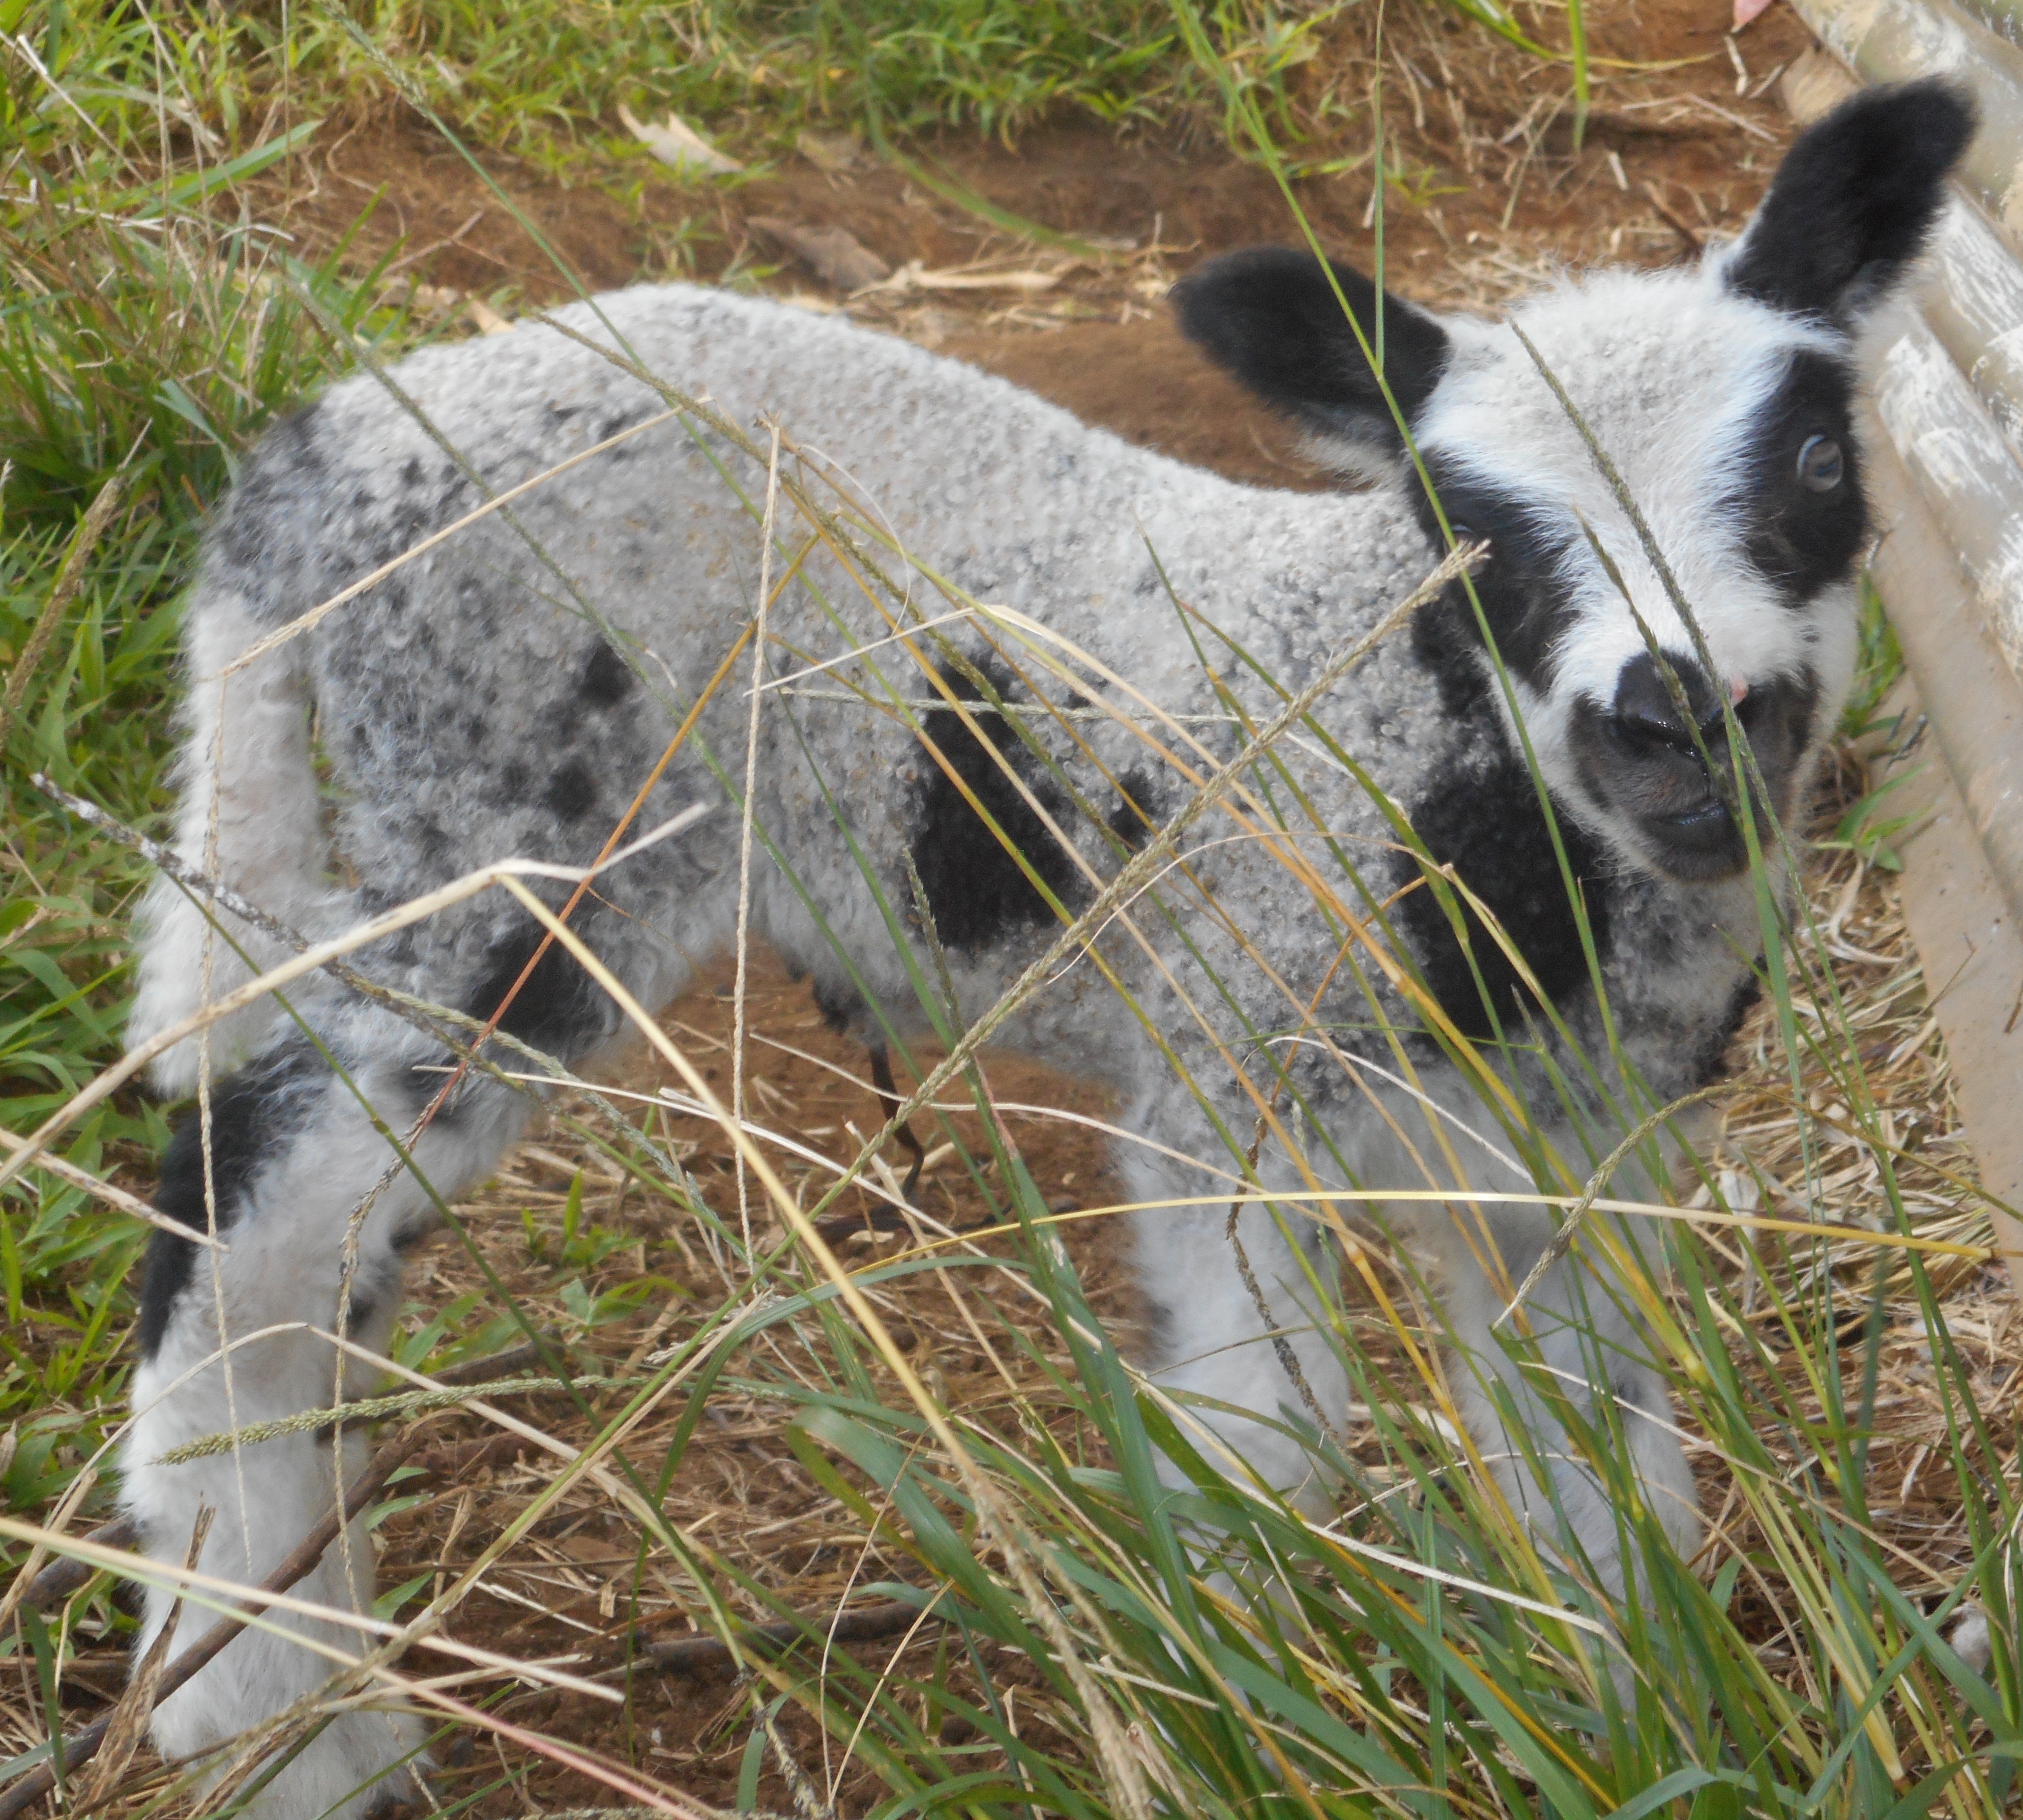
<point x="470" y="709"/>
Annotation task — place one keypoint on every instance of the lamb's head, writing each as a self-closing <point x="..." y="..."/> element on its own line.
<point x="1724" y="395"/>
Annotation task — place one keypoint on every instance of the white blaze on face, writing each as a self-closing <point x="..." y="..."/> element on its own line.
<point x="1673" y="373"/>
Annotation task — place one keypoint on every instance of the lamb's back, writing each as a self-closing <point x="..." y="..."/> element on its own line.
<point x="472" y="706"/>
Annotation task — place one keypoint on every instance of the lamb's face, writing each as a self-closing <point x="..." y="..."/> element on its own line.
<point x="1730" y="424"/>
<point x="1722" y="395"/>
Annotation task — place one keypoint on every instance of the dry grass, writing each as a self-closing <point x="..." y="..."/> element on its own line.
<point x="744" y="1497"/>
<point x="621" y="1273"/>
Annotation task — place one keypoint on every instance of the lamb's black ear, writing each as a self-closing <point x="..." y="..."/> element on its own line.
<point x="1270" y="317"/>
<point x="1852" y="203"/>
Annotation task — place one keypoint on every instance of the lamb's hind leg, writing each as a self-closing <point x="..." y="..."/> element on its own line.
<point x="248" y="813"/>
<point x="293" y="1155"/>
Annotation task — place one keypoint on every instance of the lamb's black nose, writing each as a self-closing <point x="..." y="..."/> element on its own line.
<point x="1646" y="710"/>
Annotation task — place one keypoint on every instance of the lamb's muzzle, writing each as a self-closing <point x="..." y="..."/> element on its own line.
<point x="1674" y="777"/>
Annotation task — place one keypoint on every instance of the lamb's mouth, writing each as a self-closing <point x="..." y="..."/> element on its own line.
<point x="1697" y="846"/>
<point x="1669" y="773"/>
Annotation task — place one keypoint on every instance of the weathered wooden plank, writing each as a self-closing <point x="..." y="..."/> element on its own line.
<point x="1973" y="302"/>
<point x="1891" y="41"/>
<point x="1975" y="699"/>
<point x="1962" y="464"/>
<point x="1969" y="940"/>
<point x="1946" y="489"/>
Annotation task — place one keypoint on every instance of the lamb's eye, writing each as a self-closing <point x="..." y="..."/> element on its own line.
<point x="1821" y="465"/>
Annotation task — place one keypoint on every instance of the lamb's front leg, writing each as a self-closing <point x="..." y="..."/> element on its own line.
<point x="1217" y="1340"/>
<point x="1584" y="1348"/>
<point x="292" y="1155"/>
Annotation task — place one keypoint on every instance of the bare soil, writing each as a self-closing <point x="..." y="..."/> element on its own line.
<point x="1489" y="195"/>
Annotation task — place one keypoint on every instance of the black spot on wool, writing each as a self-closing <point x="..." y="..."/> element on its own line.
<point x="1484" y="819"/>
<point x="572" y="791"/>
<point x="605" y="678"/>
<point x="286" y="460"/>
<point x="253" y="1113"/>
<point x="839" y="1002"/>
<point x="1138" y="812"/>
<point x="1799" y="538"/>
<point x="615" y="420"/>
<point x="1523" y="597"/>
<point x="976" y="889"/>
<point x="1708" y="1061"/>
<point x="560" y="1009"/>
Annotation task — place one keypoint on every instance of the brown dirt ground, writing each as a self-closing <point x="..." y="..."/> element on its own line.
<point x="1493" y="194"/>
<point x="1672" y="153"/>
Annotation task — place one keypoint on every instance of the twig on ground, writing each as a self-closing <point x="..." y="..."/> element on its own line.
<point x="63" y="1576"/>
<point x="696" y="1654"/>
<point x="58" y="1581"/>
<point x="889" y="1102"/>
<point x="1675" y="221"/>
<point x="512" y="1363"/>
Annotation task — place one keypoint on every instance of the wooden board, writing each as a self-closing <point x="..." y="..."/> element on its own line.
<point x="1969" y="939"/>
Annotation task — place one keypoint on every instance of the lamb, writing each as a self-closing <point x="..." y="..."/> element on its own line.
<point x="508" y="692"/>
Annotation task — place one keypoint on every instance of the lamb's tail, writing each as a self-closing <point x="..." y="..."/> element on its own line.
<point x="246" y="814"/>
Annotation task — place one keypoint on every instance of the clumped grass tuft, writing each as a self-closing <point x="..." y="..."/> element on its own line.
<point x="508" y="73"/>
<point x="524" y="77"/>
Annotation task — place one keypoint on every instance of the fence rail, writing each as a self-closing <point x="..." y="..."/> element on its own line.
<point x="1945" y="452"/>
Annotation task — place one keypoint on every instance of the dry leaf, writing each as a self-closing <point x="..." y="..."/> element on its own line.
<point x="488" y="320"/>
<point x="834" y="255"/>
<point x="834" y="152"/>
<point x="678" y="145"/>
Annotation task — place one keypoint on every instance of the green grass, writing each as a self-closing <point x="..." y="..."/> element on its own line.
<point x="147" y="333"/>
<point x="148" y="329"/>
<point x="519" y="77"/>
